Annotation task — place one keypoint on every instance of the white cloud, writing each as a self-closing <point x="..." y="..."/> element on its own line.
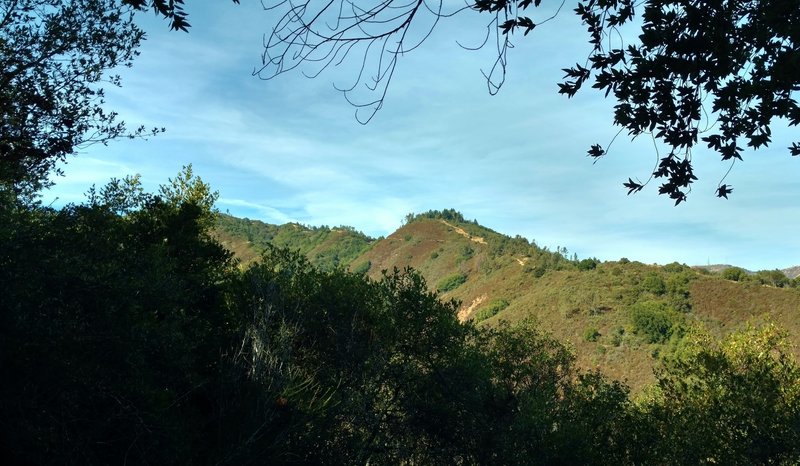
<point x="289" y="149"/>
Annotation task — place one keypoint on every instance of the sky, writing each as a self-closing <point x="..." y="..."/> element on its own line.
<point x="291" y="150"/>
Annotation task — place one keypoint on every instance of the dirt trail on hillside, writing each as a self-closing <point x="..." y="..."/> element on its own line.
<point x="465" y="311"/>
<point x="460" y="231"/>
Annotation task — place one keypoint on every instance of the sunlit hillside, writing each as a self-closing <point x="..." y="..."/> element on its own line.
<point x="621" y="317"/>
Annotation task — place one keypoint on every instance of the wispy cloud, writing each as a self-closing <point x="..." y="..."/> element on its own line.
<point x="290" y="150"/>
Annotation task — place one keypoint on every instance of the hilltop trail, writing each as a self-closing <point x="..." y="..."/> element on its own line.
<point x="460" y="231"/>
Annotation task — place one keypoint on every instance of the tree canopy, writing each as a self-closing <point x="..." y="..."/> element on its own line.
<point x="717" y="73"/>
<point x="53" y="58"/>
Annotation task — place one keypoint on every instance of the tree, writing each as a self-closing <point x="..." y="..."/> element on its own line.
<point x="730" y="402"/>
<point x="191" y="189"/>
<point x="711" y="71"/>
<point x="113" y="331"/>
<point x="171" y="10"/>
<point x="53" y="57"/>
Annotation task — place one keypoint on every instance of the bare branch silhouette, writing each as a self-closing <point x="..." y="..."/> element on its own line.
<point x="319" y="34"/>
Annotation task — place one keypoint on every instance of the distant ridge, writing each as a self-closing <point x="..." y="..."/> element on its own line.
<point x="716" y="268"/>
<point x="790" y="272"/>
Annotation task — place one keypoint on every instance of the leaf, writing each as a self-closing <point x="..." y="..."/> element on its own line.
<point x="724" y="190"/>
<point x="596" y="151"/>
<point x="633" y="187"/>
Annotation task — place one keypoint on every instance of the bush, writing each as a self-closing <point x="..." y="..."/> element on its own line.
<point x="451" y="282"/>
<point x="617" y="334"/>
<point x="774" y="278"/>
<point x="362" y="268"/>
<point x="588" y="264"/>
<point x="678" y="289"/>
<point x="655" y="321"/>
<point x="674" y="267"/>
<point x="491" y="309"/>
<point x="736" y="274"/>
<point x="465" y="253"/>
<point x="654" y="284"/>
<point x="591" y="334"/>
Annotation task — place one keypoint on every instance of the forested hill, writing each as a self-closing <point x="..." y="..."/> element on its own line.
<point x="325" y="247"/>
<point x="623" y="317"/>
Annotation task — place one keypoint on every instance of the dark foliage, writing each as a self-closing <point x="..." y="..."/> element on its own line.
<point x="128" y="335"/>
<point x="113" y="334"/>
<point x="53" y="57"/>
<point x="740" y="56"/>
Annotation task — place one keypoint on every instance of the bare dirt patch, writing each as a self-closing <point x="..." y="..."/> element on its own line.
<point x="465" y="311"/>
<point x="460" y="231"/>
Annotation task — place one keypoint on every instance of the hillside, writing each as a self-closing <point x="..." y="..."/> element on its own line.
<point x="325" y="247"/>
<point x="792" y="272"/>
<point x="620" y="317"/>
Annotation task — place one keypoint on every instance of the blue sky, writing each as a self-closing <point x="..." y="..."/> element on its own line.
<point x="290" y="149"/>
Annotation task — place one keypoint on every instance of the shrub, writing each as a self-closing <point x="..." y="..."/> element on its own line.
<point x="466" y="252"/>
<point x="774" y="278"/>
<point x="736" y="274"/>
<point x="491" y="309"/>
<point x="655" y="321"/>
<point x="451" y="282"/>
<point x="678" y="289"/>
<point x="588" y="264"/>
<point x="654" y="284"/>
<point x="591" y="334"/>
<point x="674" y="267"/>
<point x="362" y="268"/>
<point x="616" y="335"/>
<point x="434" y="255"/>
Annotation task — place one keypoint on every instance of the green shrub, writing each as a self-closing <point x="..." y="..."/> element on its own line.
<point x="434" y="255"/>
<point x="362" y="268"/>
<point x="736" y="274"/>
<point x="774" y="278"/>
<point x="451" y="282"/>
<point x="491" y="309"/>
<point x="616" y="335"/>
<point x="674" y="267"/>
<point x="654" y="284"/>
<point x="655" y="321"/>
<point x="465" y="253"/>
<point x="588" y="264"/>
<point x="678" y="290"/>
<point x="591" y="334"/>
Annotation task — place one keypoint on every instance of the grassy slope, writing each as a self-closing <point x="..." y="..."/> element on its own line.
<point x="541" y="284"/>
<point x="325" y="247"/>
